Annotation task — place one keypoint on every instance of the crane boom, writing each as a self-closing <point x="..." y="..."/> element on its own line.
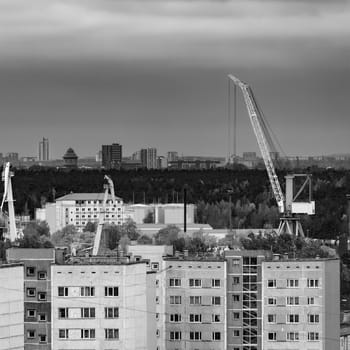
<point x="255" y="117"/>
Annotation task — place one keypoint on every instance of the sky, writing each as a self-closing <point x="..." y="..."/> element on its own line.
<point x="153" y="73"/>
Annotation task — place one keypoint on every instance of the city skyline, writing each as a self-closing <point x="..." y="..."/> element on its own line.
<point x="155" y="74"/>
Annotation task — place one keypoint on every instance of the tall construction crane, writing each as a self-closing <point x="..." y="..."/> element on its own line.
<point x="7" y="174"/>
<point x="287" y="204"/>
<point x="109" y="189"/>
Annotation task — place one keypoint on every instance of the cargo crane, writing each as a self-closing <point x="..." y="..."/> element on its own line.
<point x="109" y="188"/>
<point x="288" y="205"/>
<point x="10" y="219"/>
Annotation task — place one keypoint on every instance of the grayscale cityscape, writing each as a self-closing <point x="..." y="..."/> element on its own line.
<point x="175" y="174"/>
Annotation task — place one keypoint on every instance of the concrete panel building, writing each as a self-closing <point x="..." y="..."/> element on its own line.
<point x="301" y="304"/>
<point x="195" y="303"/>
<point x="37" y="294"/>
<point x="11" y="307"/>
<point x="78" y="209"/>
<point x="103" y="304"/>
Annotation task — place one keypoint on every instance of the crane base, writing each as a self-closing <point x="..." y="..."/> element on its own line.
<point x="291" y="225"/>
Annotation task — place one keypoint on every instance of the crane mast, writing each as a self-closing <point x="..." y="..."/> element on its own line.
<point x="254" y="116"/>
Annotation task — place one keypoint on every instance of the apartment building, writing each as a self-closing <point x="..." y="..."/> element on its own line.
<point x="11" y="307"/>
<point x="36" y="294"/>
<point x="195" y="303"/>
<point x="103" y="303"/>
<point x="244" y="299"/>
<point x="153" y="256"/>
<point x="78" y="209"/>
<point x="301" y="304"/>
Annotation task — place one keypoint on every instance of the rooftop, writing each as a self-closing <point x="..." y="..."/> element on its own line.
<point x="85" y="197"/>
<point x="101" y="260"/>
<point x="18" y="254"/>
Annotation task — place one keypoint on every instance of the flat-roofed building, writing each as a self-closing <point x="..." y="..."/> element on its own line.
<point x="103" y="303"/>
<point x="80" y="208"/>
<point x="36" y="294"/>
<point x="301" y="304"/>
<point x="195" y="303"/>
<point x="11" y="307"/>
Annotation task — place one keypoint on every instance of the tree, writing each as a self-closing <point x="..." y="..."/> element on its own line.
<point x="65" y="237"/>
<point x="90" y="227"/>
<point x="144" y="239"/>
<point x="130" y="229"/>
<point x="112" y="235"/>
<point x="149" y="218"/>
<point x="167" y="235"/>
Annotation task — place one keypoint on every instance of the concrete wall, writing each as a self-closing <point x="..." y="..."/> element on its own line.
<point x="11" y="307"/>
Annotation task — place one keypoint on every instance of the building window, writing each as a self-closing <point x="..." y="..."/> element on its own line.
<point x="42" y="317"/>
<point x="31" y="313"/>
<point x="271" y="284"/>
<point x="271" y="318"/>
<point x="195" y="300"/>
<point x="87" y="312"/>
<point x="235" y="262"/>
<point x="157" y="316"/>
<point x="154" y="265"/>
<point x="313" y="336"/>
<point x="216" y="283"/>
<point x="31" y="292"/>
<point x="30" y="333"/>
<point x="215" y="300"/>
<point x="175" y="318"/>
<point x="236" y="315"/>
<point x="311" y="300"/>
<point x="312" y="283"/>
<point x="235" y="280"/>
<point x="62" y="291"/>
<point x="63" y="333"/>
<point x="195" y="318"/>
<point x="175" y="299"/>
<point x="30" y="271"/>
<point x="63" y="312"/>
<point x="87" y="333"/>
<point x="293" y="318"/>
<point x="235" y="297"/>
<point x="292" y="283"/>
<point x="195" y="282"/>
<point x="157" y="300"/>
<point x="271" y="336"/>
<point x="271" y="301"/>
<point x="42" y="338"/>
<point x="42" y="275"/>
<point x="195" y="335"/>
<point x="174" y="282"/>
<point x="293" y="336"/>
<point x="216" y="336"/>
<point x="111" y="312"/>
<point x="292" y="300"/>
<point x="111" y="333"/>
<point x="42" y="296"/>
<point x="215" y="318"/>
<point x="175" y="335"/>
<point x="236" y="332"/>
<point x="111" y="291"/>
<point x="313" y="318"/>
<point x="87" y="291"/>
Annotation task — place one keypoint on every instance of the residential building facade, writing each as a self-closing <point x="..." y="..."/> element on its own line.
<point x="301" y="304"/>
<point x="103" y="305"/>
<point x="112" y="156"/>
<point x="37" y="294"/>
<point x="11" y="307"/>
<point x="195" y="303"/>
<point x="44" y="150"/>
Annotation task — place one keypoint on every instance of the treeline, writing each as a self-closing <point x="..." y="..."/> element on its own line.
<point x="237" y="198"/>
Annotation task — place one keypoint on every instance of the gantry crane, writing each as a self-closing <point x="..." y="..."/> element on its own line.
<point x="288" y="205"/>
<point x="109" y="189"/>
<point x="11" y="233"/>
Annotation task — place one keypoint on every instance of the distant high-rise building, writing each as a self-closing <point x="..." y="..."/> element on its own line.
<point x="162" y="162"/>
<point x="143" y="157"/>
<point x="172" y="156"/>
<point x="99" y="156"/>
<point x="148" y="157"/>
<point x="12" y="157"/>
<point x="112" y="156"/>
<point x="70" y="159"/>
<point x="44" y="149"/>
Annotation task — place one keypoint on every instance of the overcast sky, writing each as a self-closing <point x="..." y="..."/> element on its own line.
<point x="153" y="73"/>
